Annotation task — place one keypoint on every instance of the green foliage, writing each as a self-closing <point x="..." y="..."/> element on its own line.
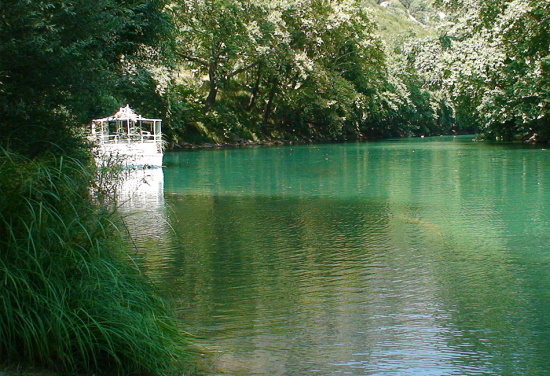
<point x="492" y="65"/>
<point x="342" y="70"/>
<point x="331" y="58"/>
<point x="303" y="70"/>
<point x="70" y="299"/>
<point x="59" y="63"/>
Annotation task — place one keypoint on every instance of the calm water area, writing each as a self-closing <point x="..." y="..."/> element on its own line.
<point x="411" y="257"/>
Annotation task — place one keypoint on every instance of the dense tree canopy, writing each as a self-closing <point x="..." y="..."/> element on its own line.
<point x="60" y="62"/>
<point x="319" y="70"/>
<point x="257" y="57"/>
<point x="287" y="69"/>
<point x="492" y="62"/>
<point x="308" y="70"/>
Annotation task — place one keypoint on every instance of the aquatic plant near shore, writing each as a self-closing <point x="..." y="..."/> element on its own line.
<point x="71" y="300"/>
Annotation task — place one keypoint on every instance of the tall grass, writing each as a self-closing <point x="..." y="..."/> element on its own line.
<point x="70" y="300"/>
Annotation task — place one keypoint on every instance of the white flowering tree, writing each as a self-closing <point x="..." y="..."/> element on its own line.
<point x="493" y="63"/>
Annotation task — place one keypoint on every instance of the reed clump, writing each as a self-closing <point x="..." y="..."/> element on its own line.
<point x="70" y="299"/>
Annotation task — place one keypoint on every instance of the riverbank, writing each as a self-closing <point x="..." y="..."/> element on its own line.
<point x="240" y="143"/>
<point x="248" y="143"/>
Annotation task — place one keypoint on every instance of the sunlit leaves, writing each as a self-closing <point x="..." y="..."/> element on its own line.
<point x="301" y="65"/>
<point x="493" y="65"/>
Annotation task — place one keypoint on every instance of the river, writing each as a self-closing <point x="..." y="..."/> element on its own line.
<point x="411" y="257"/>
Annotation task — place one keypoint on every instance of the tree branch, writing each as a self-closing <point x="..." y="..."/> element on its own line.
<point x="240" y="70"/>
<point x="192" y="58"/>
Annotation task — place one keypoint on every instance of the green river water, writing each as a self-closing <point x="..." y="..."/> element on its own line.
<point x="411" y="257"/>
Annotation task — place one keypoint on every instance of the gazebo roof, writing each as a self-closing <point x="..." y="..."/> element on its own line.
<point x="124" y="114"/>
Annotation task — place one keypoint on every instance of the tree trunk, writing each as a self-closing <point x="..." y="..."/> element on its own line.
<point x="213" y="92"/>
<point x="271" y="97"/>
<point x="255" y="89"/>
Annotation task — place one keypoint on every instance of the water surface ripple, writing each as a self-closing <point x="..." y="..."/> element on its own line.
<point x="411" y="257"/>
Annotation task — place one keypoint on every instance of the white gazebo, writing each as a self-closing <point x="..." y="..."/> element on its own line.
<point x="129" y="139"/>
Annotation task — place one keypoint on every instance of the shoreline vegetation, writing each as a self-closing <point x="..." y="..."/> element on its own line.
<point x="73" y="301"/>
